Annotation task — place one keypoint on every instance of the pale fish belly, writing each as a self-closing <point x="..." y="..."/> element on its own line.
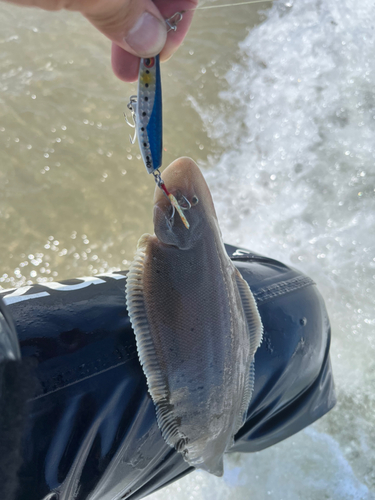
<point x="194" y="344"/>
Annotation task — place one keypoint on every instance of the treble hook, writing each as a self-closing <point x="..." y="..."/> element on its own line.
<point x="188" y="203"/>
<point x="170" y="221"/>
<point x="173" y="21"/>
<point x="132" y="107"/>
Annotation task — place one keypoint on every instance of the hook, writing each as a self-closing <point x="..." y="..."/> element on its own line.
<point x="132" y="107"/>
<point x="173" y="21"/>
<point x="188" y="207"/>
<point x="159" y="181"/>
<point x="170" y="221"/>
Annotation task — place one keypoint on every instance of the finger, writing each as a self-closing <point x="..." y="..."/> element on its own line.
<point x="134" y="25"/>
<point x="167" y="9"/>
<point x="125" y="65"/>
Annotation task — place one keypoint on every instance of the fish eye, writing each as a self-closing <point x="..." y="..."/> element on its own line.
<point x="194" y="200"/>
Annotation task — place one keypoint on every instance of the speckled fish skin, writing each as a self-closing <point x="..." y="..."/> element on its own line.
<point x="196" y="324"/>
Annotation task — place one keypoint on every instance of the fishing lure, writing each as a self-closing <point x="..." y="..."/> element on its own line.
<point x="146" y="110"/>
<point x="146" y="107"/>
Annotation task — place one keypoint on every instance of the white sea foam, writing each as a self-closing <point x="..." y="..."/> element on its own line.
<point x="291" y="470"/>
<point x="297" y="182"/>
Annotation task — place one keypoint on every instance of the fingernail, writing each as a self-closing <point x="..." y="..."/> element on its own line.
<point x="148" y="36"/>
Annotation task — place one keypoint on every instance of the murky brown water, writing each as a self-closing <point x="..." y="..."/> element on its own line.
<point x="74" y="195"/>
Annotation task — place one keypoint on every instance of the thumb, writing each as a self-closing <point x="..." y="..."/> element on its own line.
<point x="134" y="25"/>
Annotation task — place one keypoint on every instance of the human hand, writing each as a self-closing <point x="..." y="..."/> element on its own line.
<point x="136" y="28"/>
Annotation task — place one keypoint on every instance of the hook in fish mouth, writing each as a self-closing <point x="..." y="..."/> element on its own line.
<point x="170" y="220"/>
<point x="175" y="204"/>
<point x="183" y="201"/>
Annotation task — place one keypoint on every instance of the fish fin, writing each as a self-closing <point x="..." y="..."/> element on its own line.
<point x="136" y="305"/>
<point x="214" y="466"/>
<point x="248" y="392"/>
<point x="246" y="398"/>
<point x="255" y="327"/>
<point x="251" y="313"/>
<point x="157" y="386"/>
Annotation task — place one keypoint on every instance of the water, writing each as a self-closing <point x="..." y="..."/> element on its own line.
<point x="283" y="126"/>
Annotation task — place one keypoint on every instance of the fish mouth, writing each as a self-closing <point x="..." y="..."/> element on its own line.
<point x="182" y="200"/>
<point x="167" y="206"/>
<point x="169" y="218"/>
<point x="164" y="213"/>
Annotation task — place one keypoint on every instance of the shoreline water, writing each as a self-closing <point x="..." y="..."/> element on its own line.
<point x="289" y="162"/>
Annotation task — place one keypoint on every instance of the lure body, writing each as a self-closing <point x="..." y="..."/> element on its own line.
<point x="146" y="108"/>
<point x="148" y="113"/>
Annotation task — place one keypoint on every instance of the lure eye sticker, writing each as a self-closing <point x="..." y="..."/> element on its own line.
<point x="149" y="62"/>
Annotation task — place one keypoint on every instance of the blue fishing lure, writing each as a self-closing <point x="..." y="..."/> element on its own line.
<point x="146" y="108"/>
<point x="147" y="114"/>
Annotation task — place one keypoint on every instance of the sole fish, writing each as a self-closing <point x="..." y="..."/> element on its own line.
<point x="196" y="323"/>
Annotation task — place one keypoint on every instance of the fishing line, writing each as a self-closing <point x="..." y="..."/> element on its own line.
<point x="134" y="104"/>
<point x="229" y="5"/>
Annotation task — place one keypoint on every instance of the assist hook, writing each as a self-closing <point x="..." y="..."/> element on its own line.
<point x="159" y="181"/>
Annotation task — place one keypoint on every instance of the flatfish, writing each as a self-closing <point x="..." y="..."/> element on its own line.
<point x="196" y="323"/>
